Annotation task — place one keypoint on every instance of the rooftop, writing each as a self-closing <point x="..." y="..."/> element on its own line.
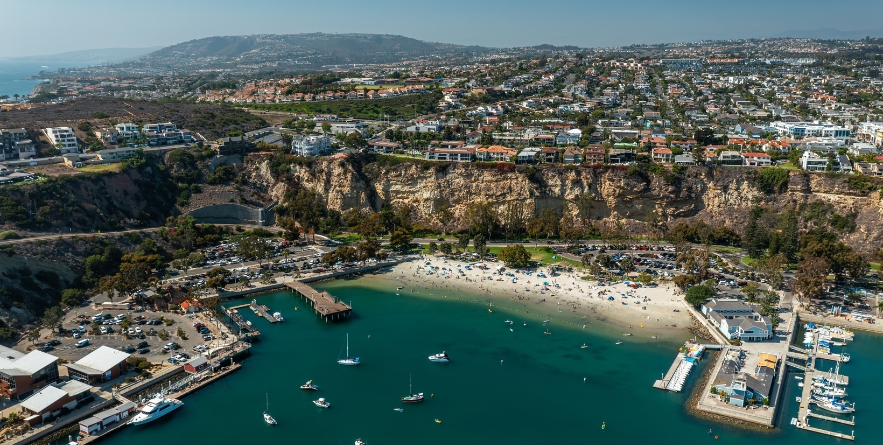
<point x="102" y="359"/>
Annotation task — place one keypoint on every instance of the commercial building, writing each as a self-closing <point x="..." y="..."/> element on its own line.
<point x="807" y="129"/>
<point x="106" y="419"/>
<point x="53" y="400"/>
<point x="739" y="388"/>
<point x="737" y="320"/>
<point x="101" y="365"/>
<point x="21" y="374"/>
<point x="63" y="138"/>
<point x="311" y="145"/>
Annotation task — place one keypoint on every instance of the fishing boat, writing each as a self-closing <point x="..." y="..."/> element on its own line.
<point x="278" y="316"/>
<point x="440" y="358"/>
<point x="321" y="403"/>
<point x="267" y="417"/>
<point x="398" y="409"/>
<point x="619" y="342"/>
<point x="156" y="407"/>
<point x="412" y="398"/>
<point x="309" y="386"/>
<point x="360" y="442"/>
<point x="348" y="361"/>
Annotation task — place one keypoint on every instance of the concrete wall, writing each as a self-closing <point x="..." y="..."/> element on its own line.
<point x="229" y="214"/>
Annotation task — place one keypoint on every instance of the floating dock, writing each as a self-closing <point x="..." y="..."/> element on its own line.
<point x="326" y="306"/>
<point x="680" y="368"/>
<point x="245" y="328"/>
<point x="263" y="311"/>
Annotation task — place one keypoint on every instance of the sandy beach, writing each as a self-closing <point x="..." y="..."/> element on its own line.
<point x="565" y="298"/>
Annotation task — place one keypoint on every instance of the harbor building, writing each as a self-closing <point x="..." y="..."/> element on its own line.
<point x="21" y="374"/>
<point x="53" y="400"/>
<point x="106" y="419"/>
<point x="741" y="389"/>
<point x="737" y="320"/>
<point x="101" y="365"/>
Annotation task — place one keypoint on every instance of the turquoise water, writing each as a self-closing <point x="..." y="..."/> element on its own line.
<point x="535" y="396"/>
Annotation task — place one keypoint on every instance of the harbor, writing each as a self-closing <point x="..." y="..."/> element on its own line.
<point x="326" y="306"/>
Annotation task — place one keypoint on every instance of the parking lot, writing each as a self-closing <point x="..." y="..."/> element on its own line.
<point x="146" y="343"/>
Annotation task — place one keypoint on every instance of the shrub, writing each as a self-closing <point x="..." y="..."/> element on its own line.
<point x="9" y="234"/>
<point x="772" y="180"/>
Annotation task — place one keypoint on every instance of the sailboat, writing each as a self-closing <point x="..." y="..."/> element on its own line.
<point x="267" y="417"/>
<point x="412" y="398"/>
<point x="348" y="361"/>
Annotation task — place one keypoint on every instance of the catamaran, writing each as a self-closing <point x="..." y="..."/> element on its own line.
<point x="267" y="417"/>
<point x="348" y="361"/>
<point x="412" y="398"/>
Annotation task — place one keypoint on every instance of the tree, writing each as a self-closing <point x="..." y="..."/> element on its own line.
<point x="463" y="241"/>
<point x="789" y="238"/>
<point x="400" y="239"/>
<point x="481" y="217"/>
<point x="698" y="294"/>
<point x="52" y="316"/>
<point x="586" y="259"/>
<point x="644" y="278"/>
<point x="751" y="291"/>
<point x="550" y="220"/>
<point x="756" y="237"/>
<point x="535" y="229"/>
<point x="326" y="128"/>
<point x="72" y="297"/>
<point x="685" y="281"/>
<point x="770" y="268"/>
<point x="812" y="272"/>
<point x="252" y="247"/>
<point x="514" y="255"/>
<point x="627" y="265"/>
<point x="480" y="245"/>
<point x="445" y="216"/>
<point x="584" y="204"/>
<point x="34" y="335"/>
<point x="571" y="232"/>
<point x="514" y="218"/>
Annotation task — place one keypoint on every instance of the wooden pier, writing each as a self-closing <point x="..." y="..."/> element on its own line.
<point x="244" y="326"/>
<point x="325" y="305"/>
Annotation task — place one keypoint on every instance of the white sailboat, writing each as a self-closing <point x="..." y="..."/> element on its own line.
<point x="348" y="361"/>
<point x="267" y="417"/>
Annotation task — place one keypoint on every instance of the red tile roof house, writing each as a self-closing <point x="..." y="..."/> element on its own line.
<point x="662" y="155"/>
<point x="756" y="159"/>
<point x="496" y="153"/>
<point x="594" y="154"/>
<point x="549" y="154"/>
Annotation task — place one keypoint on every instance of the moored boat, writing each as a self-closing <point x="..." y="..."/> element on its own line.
<point x="156" y="407"/>
<point x="348" y="361"/>
<point x="440" y="358"/>
<point x="412" y="398"/>
<point x="321" y="403"/>
<point x="267" y="417"/>
<point x="309" y="386"/>
<point x="278" y="316"/>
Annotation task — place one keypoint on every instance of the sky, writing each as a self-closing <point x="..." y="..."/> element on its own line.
<point x="56" y="26"/>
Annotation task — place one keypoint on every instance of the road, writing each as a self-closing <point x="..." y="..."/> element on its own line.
<point x="56" y="236"/>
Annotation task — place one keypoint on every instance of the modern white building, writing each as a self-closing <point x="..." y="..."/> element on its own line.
<point x="127" y="130"/>
<point x="807" y="129"/>
<point x="736" y="319"/>
<point x="63" y="138"/>
<point x="311" y="145"/>
<point x="812" y="162"/>
<point x="871" y="132"/>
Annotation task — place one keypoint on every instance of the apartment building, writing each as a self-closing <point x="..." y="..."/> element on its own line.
<point x="311" y="145"/>
<point x="812" y="162"/>
<point x="63" y="138"/>
<point x="808" y="129"/>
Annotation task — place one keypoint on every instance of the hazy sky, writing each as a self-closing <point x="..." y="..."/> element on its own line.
<point x="36" y="27"/>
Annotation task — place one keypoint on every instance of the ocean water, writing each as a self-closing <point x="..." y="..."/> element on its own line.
<point x="501" y="387"/>
<point x="13" y="73"/>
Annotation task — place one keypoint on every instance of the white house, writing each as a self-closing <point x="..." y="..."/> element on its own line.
<point x="311" y="145"/>
<point x="736" y="319"/>
<point x="812" y="162"/>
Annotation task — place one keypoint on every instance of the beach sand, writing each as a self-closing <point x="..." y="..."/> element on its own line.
<point x="567" y="298"/>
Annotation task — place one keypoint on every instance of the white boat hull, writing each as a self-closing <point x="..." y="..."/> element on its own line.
<point x="141" y="419"/>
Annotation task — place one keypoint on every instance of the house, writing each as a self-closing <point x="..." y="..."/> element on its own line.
<point x="25" y="149"/>
<point x="711" y="157"/>
<point x="235" y="145"/>
<point x="549" y="155"/>
<point x="737" y="320"/>
<point x="105" y="419"/>
<point x="53" y="400"/>
<point x="750" y="130"/>
<point x="101" y="365"/>
<point x="662" y="155"/>
<point x="528" y="155"/>
<point x="812" y="162"/>
<point x="196" y="364"/>
<point x="496" y="153"/>
<point x="869" y="169"/>
<point x="449" y="154"/>
<point x="9" y="140"/>
<point x="127" y="130"/>
<point x="106" y="135"/>
<point x="619" y="156"/>
<point x="383" y="146"/>
<point x="63" y="138"/>
<point x="740" y="388"/>
<point x="573" y="155"/>
<point x="594" y="154"/>
<point x="311" y="145"/>
<point x="756" y="159"/>
<point x="21" y="374"/>
<point x="116" y="153"/>
<point x="730" y="157"/>
<point x="685" y="159"/>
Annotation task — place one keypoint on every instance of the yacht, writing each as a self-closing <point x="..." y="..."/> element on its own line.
<point x="321" y="403"/>
<point x="278" y="316"/>
<point x="440" y="358"/>
<point x="156" y="407"/>
<point x="834" y="405"/>
<point x="309" y="386"/>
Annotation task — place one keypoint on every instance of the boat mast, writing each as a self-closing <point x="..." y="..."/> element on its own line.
<point x="347" y="345"/>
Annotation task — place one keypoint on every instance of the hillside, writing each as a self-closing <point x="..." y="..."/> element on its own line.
<point x="298" y="50"/>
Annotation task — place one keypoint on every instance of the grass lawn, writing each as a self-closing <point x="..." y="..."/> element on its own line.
<point x="789" y="166"/>
<point x="543" y="254"/>
<point x="727" y="249"/>
<point x="748" y="261"/>
<point x="100" y="168"/>
<point x="875" y="266"/>
<point x="346" y="237"/>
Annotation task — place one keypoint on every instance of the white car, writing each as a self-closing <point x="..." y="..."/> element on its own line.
<point x="137" y="330"/>
<point x="103" y="330"/>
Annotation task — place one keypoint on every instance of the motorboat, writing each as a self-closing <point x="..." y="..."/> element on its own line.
<point x="156" y="407"/>
<point x="309" y="386"/>
<point x="267" y="417"/>
<point x="412" y="398"/>
<point x="584" y="346"/>
<point x="278" y="316"/>
<point x="440" y="358"/>
<point x="844" y="358"/>
<point x="655" y="336"/>
<point x="800" y="384"/>
<point x="798" y="399"/>
<point x="321" y="403"/>
<point x="830" y="392"/>
<point x="797" y="377"/>
<point x="398" y="410"/>
<point x="619" y="342"/>
<point x="360" y="442"/>
<point x="508" y="321"/>
<point x="348" y="361"/>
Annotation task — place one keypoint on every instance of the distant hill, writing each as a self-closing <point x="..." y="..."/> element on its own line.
<point x="831" y="34"/>
<point x="307" y="49"/>
<point x="96" y="56"/>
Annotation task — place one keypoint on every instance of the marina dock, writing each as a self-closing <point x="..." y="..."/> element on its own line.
<point x="326" y="306"/>
<point x="245" y="328"/>
<point x="804" y="414"/>
<point x="263" y="311"/>
<point x="680" y="368"/>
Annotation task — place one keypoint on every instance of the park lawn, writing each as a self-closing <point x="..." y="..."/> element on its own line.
<point x="789" y="166"/>
<point x="875" y="266"/>
<point x="748" y="261"/>
<point x="543" y="254"/>
<point x="100" y="168"/>
<point x="346" y="237"/>
<point x="728" y="250"/>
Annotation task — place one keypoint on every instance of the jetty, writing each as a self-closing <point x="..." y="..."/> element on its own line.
<point x="680" y="368"/>
<point x="263" y="311"/>
<point x="326" y="306"/>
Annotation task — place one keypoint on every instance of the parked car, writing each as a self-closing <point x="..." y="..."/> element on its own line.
<point x="143" y="344"/>
<point x="82" y="343"/>
<point x="143" y="351"/>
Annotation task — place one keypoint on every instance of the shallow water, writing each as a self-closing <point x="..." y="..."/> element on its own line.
<point x="502" y="386"/>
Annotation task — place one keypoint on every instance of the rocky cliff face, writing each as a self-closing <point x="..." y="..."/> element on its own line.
<point x="715" y="195"/>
